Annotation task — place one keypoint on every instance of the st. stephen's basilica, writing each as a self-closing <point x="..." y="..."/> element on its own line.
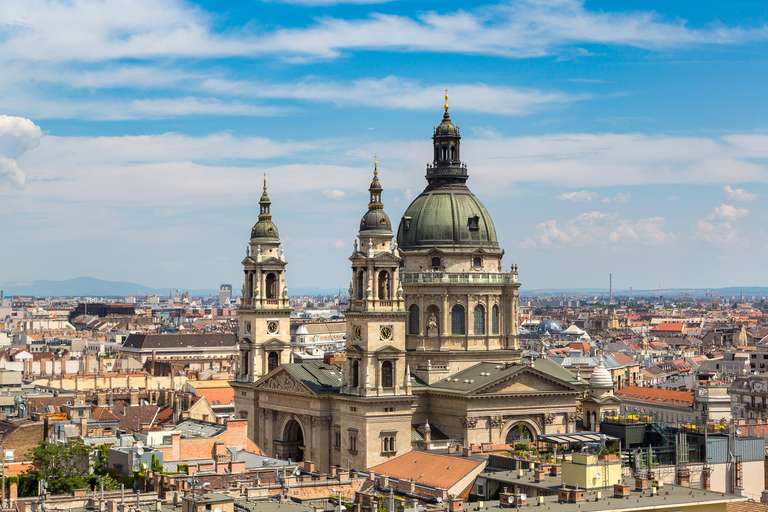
<point x="432" y="345"/>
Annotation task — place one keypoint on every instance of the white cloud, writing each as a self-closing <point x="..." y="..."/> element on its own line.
<point x="728" y="212"/>
<point x="396" y="93"/>
<point x="339" y="243"/>
<point x="672" y="198"/>
<point x="721" y="234"/>
<point x="17" y="136"/>
<point x="738" y="194"/>
<point x="581" y="195"/>
<point x="90" y="31"/>
<point x="334" y="193"/>
<point x="644" y="231"/>
<point x="622" y="198"/>
<point x="599" y="229"/>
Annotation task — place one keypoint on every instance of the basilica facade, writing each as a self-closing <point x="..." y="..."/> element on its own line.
<point x="432" y="344"/>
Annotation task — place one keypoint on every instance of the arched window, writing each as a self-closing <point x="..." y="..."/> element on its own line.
<point x="355" y="374"/>
<point x="495" y="319"/>
<point x="384" y="286"/>
<point x="360" y="284"/>
<point x="479" y="319"/>
<point x="413" y="320"/>
<point x="271" y="286"/>
<point x="272" y="361"/>
<point x="453" y="152"/>
<point x="457" y="319"/>
<point x="386" y="374"/>
<point x="436" y="261"/>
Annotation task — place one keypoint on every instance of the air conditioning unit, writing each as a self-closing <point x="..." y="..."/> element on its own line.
<point x="658" y="483"/>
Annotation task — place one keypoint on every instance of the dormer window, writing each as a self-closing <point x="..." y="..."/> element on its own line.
<point x="436" y="261"/>
<point x="477" y="261"/>
<point x="406" y="223"/>
<point x="474" y="223"/>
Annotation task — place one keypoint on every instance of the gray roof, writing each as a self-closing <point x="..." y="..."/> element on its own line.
<point x="177" y="341"/>
<point x="320" y="377"/>
<point x="485" y="373"/>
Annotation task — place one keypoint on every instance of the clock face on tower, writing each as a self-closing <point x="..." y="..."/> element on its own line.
<point x="248" y="327"/>
<point x="386" y="332"/>
<point x="272" y="327"/>
<point x="358" y="332"/>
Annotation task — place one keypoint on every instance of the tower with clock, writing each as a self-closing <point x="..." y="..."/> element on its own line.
<point x="375" y="311"/>
<point x="264" y="313"/>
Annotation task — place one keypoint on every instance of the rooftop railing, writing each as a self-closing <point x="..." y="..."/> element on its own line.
<point x="442" y="276"/>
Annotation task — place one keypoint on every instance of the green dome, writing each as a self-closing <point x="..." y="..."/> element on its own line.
<point x="265" y="229"/>
<point x="448" y="218"/>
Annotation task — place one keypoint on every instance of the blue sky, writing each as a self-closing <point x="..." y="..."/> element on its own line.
<point x="621" y="137"/>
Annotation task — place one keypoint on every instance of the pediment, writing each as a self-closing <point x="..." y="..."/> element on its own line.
<point x="281" y="380"/>
<point x="525" y="381"/>
<point x="387" y="348"/>
<point x="276" y="343"/>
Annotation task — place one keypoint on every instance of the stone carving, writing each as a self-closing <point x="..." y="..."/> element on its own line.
<point x="265" y="414"/>
<point x="279" y="415"/>
<point x="469" y="422"/>
<point x="496" y="421"/>
<point x="571" y="417"/>
<point x="432" y="325"/>
<point x="549" y="419"/>
<point x="283" y="382"/>
<point x="325" y="422"/>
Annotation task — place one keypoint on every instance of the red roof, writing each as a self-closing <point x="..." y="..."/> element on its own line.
<point x="670" y="327"/>
<point x="657" y="396"/>
<point x="217" y="396"/>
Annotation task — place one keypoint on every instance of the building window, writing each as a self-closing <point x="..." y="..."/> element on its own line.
<point x="353" y="442"/>
<point x="477" y="261"/>
<point x="413" y="320"/>
<point x="457" y="319"/>
<point x="386" y="374"/>
<point x="436" y="261"/>
<point x="337" y="439"/>
<point x="495" y="319"/>
<point x="388" y="444"/>
<point x="272" y="361"/>
<point x="479" y="319"/>
<point x="355" y="374"/>
<point x="271" y="285"/>
<point x="353" y="409"/>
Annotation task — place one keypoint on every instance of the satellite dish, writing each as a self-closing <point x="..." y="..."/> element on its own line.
<point x="597" y="475"/>
<point x="140" y="451"/>
<point x="189" y="480"/>
<point x="217" y="509"/>
<point x="511" y="500"/>
<point x="139" y="444"/>
<point x="738" y="431"/>
<point x="523" y="497"/>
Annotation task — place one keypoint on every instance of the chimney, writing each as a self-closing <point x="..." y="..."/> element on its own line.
<point x="134" y="397"/>
<point x="83" y="427"/>
<point x="329" y="359"/>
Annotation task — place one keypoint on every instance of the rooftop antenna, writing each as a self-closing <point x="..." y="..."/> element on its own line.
<point x="610" y="288"/>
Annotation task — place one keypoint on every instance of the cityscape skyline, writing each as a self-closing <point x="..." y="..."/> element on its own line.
<point x="135" y="136"/>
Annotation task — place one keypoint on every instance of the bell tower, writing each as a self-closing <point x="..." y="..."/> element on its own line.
<point x="375" y="311"/>
<point x="264" y="310"/>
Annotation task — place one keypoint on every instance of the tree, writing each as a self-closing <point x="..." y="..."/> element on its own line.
<point x="110" y="484"/>
<point x="63" y="466"/>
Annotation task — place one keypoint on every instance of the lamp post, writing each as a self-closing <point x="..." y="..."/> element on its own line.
<point x="193" y="482"/>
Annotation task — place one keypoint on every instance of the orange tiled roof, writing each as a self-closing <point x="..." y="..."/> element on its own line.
<point x="425" y="468"/>
<point x="669" y="327"/>
<point x="657" y="396"/>
<point x="217" y="396"/>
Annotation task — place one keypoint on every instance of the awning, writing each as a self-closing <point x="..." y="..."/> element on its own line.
<point x="577" y="437"/>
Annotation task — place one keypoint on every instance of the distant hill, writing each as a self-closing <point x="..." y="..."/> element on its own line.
<point x="88" y="286"/>
<point x="731" y="291"/>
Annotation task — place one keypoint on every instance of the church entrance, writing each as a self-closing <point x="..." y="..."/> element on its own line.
<point x="292" y="445"/>
<point x="519" y="433"/>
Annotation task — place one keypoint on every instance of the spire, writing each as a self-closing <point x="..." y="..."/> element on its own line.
<point x="375" y="188"/>
<point x="264" y="203"/>
<point x="446" y="100"/>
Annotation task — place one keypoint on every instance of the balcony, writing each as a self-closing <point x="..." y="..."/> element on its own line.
<point x="411" y="277"/>
<point x="374" y="305"/>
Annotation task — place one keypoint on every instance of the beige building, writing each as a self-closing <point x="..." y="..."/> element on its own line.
<point x="431" y="335"/>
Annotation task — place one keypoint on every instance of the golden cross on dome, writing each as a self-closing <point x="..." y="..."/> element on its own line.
<point x="446" y="99"/>
<point x="265" y="182"/>
<point x="375" y="166"/>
